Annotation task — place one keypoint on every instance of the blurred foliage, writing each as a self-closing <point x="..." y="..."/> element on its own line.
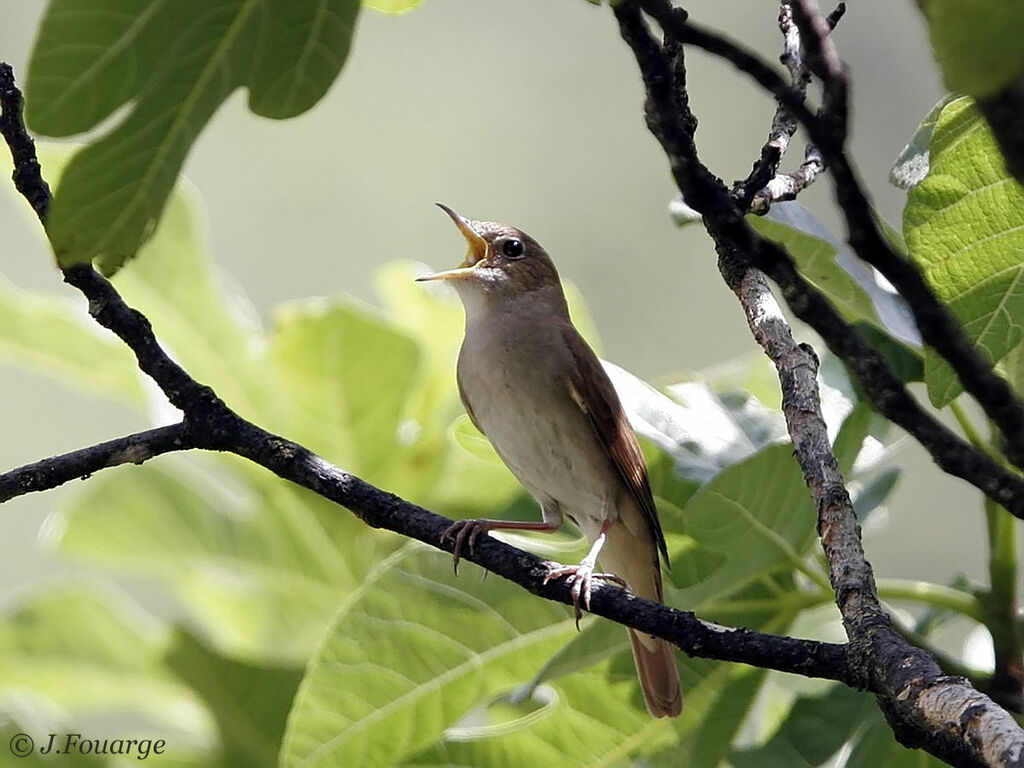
<point x="977" y="43"/>
<point x="296" y="634"/>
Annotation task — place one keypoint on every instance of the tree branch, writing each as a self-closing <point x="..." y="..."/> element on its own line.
<point x="132" y="449"/>
<point x="765" y="185"/>
<point x="705" y="193"/>
<point x="939" y="327"/>
<point x="925" y="708"/>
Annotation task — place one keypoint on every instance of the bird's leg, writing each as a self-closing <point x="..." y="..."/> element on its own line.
<point x="466" y="531"/>
<point x="581" y="577"/>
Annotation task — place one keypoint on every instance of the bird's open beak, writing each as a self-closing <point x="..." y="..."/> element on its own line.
<point x="477" y="250"/>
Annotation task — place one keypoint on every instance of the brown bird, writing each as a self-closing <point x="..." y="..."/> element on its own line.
<point x="531" y="384"/>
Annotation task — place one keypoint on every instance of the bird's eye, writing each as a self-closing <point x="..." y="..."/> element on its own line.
<point x="513" y="248"/>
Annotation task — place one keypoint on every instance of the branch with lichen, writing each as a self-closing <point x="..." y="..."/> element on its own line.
<point x="827" y="130"/>
<point x="925" y="707"/>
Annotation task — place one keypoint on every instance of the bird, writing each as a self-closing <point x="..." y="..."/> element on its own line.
<point x="531" y="384"/>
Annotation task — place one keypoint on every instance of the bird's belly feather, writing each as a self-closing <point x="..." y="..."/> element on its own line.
<point x="544" y="438"/>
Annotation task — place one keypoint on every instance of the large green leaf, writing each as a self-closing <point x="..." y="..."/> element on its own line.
<point x="348" y="375"/>
<point x="830" y="266"/>
<point x="964" y="226"/>
<point x="471" y="694"/>
<point x="175" y="62"/>
<point x="754" y="518"/>
<point x="413" y="653"/>
<point x="977" y="43"/>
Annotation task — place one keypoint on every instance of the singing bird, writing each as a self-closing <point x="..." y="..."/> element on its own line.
<point x="531" y="384"/>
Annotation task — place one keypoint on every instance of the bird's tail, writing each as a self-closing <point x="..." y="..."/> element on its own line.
<point x="627" y="556"/>
<point x="659" y="677"/>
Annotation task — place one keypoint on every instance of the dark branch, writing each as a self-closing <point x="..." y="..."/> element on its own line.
<point x="133" y="449"/>
<point x="380" y="509"/>
<point x="1004" y="111"/>
<point x="28" y="179"/>
<point x="939" y="327"/>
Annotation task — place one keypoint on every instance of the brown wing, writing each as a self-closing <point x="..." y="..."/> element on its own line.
<point x="593" y="392"/>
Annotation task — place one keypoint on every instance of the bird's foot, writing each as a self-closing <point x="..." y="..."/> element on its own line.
<point x="581" y="580"/>
<point x="464" y="532"/>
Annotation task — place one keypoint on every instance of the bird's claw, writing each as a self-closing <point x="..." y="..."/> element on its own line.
<point x="463" y="532"/>
<point x="581" y="579"/>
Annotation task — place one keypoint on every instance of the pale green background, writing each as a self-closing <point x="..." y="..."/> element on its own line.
<point x="528" y="112"/>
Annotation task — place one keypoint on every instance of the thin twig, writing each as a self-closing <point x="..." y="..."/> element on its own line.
<point x="28" y="179"/>
<point x="787" y="186"/>
<point x="765" y="185"/>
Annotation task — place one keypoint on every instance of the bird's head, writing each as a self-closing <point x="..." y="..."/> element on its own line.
<point x="502" y="262"/>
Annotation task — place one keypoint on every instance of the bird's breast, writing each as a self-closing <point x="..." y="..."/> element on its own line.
<point x="516" y="384"/>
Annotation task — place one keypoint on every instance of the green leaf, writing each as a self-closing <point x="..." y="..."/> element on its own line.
<point x="872" y="495"/>
<point x="250" y="703"/>
<point x="348" y="375"/>
<point x="964" y="226"/>
<point x="855" y="430"/>
<point x="756" y="515"/>
<point x="977" y="43"/>
<point x="76" y="653"/>
<point x="175" y="63"/>
<point x="830" y="266"/>
<point x="911" y="166"/>
<point x="368" y="701"/>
